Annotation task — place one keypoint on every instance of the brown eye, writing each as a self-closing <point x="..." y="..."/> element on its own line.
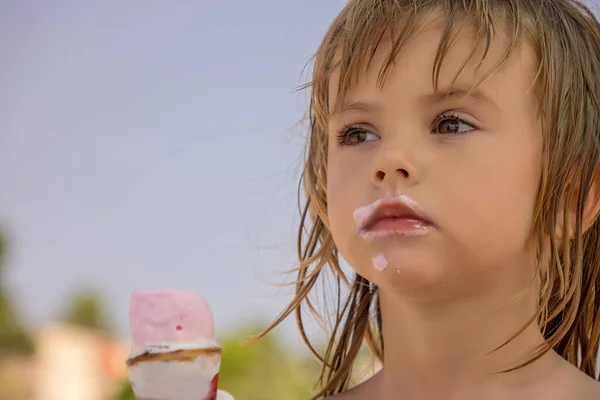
<point x="450" y="124"/>
<point x="356" y="137"/>
<point x="353" y="135"/>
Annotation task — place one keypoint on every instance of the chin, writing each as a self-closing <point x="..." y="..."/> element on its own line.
<point x="407" y="270"/>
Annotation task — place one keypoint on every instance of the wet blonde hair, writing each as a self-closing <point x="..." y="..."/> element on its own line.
<point x="566" y="38"/>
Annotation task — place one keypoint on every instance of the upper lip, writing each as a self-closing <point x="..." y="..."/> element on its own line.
<point x="393" y="208"/>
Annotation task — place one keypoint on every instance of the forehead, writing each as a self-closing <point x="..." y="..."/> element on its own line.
<point x="465" y="65"/>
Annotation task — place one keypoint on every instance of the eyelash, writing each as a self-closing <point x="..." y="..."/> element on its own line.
<point x="344" y="134"/>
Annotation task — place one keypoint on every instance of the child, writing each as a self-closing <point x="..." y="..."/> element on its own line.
<point x="454" y="163"/>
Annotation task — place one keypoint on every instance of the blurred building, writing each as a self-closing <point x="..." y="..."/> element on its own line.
<point x="17" y="374"/>
<point x="71" y="363"/>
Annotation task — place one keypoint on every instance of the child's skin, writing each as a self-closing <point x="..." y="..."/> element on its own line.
<point x="444" y="295"/>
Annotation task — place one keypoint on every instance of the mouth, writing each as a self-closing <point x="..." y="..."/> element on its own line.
<point x="399" y="216"/>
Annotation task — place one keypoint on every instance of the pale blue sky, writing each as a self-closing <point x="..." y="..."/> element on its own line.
<point x="149" y="144"/>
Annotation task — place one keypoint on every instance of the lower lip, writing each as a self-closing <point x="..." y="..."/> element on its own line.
<point x="409" y="227"/>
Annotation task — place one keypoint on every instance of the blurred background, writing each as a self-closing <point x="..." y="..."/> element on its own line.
<point x="150" y="144"/>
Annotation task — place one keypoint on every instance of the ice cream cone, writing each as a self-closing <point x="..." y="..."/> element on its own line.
<point x="190" y="374"/>
<point x="175" y="356"/>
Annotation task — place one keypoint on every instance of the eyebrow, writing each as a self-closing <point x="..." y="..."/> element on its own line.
<point x="358" y="106"/>
<point x="457" y="92"/>
<point x="453" y="93"/>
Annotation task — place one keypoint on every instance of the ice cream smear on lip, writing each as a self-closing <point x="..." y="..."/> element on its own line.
<point x="174" y="352"/>
<point x="361" y="214"/>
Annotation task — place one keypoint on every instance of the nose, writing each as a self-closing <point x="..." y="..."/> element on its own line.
<point x="393" y="165"/>
<point x="380" y="175"/>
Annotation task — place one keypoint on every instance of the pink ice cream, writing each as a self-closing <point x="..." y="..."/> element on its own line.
<point x="169" y="316"/>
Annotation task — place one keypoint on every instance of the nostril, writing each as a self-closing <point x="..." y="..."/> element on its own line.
<point x="380" y="175"/>
<point x="403" y="172"/>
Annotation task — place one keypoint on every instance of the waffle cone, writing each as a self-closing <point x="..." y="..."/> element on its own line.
<point x="190" y="374"/>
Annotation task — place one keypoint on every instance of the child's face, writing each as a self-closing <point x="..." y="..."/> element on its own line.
<point x="478" y="187"/>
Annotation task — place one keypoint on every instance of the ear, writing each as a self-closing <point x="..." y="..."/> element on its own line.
<point x="591" y="209"/>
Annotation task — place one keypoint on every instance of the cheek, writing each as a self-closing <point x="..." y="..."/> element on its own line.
<point x="343" y="195"/>
<point x="338" y="196"/>
<point x="493" y="210"/>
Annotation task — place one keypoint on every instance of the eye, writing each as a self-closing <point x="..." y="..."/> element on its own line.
<point x="451" y="124"/>
<point x="352" y="135"/>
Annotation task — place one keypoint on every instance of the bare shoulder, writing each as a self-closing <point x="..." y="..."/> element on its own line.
<point x="581" y="386"/>
<point x="590" y="390"/>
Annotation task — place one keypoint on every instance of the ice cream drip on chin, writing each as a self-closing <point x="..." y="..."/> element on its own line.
<point x="380" y="262"/>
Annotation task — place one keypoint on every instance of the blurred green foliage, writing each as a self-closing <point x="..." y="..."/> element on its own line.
<point x="85" y="308"/>
<point x="265" y="369"/>
<point x="13" y="337"/>
<point x="125" y="393"/>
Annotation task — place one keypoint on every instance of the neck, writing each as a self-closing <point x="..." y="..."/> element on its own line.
<point x="454" y="350"/>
